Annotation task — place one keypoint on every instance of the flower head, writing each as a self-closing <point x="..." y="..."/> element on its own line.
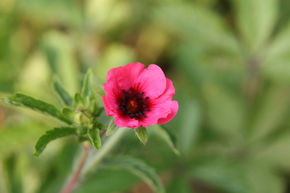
<point x="139" y="97"/>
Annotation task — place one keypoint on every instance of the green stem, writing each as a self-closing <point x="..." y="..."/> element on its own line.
<point x="86" y="162"/>
<point x="98" y="156"/>
<point x="75" y="176"/>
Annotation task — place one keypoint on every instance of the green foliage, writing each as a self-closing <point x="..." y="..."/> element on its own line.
<point x="221" y="173"/>
<point x="142" y="134"/>
<point x="256" y="20"/>
<point x="189" y="126"/>
<point x="167" y="136"/>
<point x="119" y="180"/>
<point x="138" y="168"/>
<point x="111" y="128"/>
<point x="229" y="61"/>
<point x="66" y="98"/>
<point x="87" y="84"/>
<point x="11" y="168"/>
<point x="51" y="135"/>
<point x="95" y="138"/>
<point x="78" y="100"/>
<point x="38" y="105"/>
<point x="84" y="117"/>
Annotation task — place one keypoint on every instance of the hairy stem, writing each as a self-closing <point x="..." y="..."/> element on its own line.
<point x="74" y="178"/>
<point x="86" y="162"/>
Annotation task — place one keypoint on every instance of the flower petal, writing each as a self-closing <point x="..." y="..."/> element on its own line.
<point x="160" y="113"/>
<point x="126" y="122"/>
<point x="110" y="99"/>
<point x="171" y="115"/>
<point x="151" y="81"/>
<point x="168" y="93"/>
<point x="124" y="76"/>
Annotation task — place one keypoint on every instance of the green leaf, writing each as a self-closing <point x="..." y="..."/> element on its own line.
<point x="179" y="184"/>
<point x="272" y="112"/>
<point x="225" y="111"/>
<point x="142" y="134"/>
<point x="189" y="127"/>
<point x="59" y="49"/>
<point x="276" y="60"/>
<point x="67" y="112"/>
<point x="13" y="176"/>
<point x="223" y="174"/>
<point x="38" y="105"/>
<point x="274" y="151"/>
<point x="95" y="138"/>
<point x="118" y="180"/>
<point x="138" y="168"/>
<point x="167" y="136"/>
<point x="62" y="93"/>
<point x="263" y="179"/>
<point x="52" y="135"/>
<point x="87" y="82"/>
<point x="197" y="23"/>
<point x="256" y="20"/>
<point x="111" y="128"/>
<point x="78" y="99"/>
<point x="237" y="176"/>
<point x="279" y="48"/>
<point x="18" y="130"/>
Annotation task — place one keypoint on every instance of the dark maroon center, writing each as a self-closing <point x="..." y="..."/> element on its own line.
<point x="134" y="104"/>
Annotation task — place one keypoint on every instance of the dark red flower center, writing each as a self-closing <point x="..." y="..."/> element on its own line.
<point x="134" y="104"/>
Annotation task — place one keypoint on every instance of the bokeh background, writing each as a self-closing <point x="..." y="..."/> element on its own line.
<point x="229" y="60"/>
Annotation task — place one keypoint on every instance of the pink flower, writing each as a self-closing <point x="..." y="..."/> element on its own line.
<point x="139" y="97"/>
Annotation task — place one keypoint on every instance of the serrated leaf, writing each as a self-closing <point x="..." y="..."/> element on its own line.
<point x="86" y="88"/>
<point x="64" y="95"/>
<point x="95" y="138"/>
<point x="142" y="134"/>
<point x="138" y="168"/>
<point x="52" y="135"/>
<point x="38" y="105"/>
<point x="167" y="136"/>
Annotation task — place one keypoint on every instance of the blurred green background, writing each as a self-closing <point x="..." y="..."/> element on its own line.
<point x="229" y="60"/>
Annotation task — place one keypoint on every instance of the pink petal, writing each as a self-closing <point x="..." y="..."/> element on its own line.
<point x="110" y="99"/>
<point x="160" y="113"/>
<point x="110" y="110"/>
<point x="124" y="76"/>
<point x="107" y="106"/>
<point x="126" y="122"/>
<point x="168" y="93"/>
<point x="151" y="81"/>
<point x="171" y="115"/>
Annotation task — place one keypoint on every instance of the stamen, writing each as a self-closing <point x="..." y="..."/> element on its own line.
<point x="134" y="104"/>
